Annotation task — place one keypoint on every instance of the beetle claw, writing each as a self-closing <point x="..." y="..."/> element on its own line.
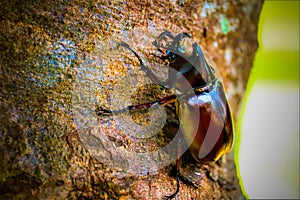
<point x="177" y="189"/>
<point x="124" y="44"/>
<point x="101" y="111"/>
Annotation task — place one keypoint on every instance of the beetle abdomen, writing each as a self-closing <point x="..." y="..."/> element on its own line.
<point x="211" y="133"/>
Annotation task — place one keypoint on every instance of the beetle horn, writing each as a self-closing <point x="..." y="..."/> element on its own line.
<point x="207" y="72"/>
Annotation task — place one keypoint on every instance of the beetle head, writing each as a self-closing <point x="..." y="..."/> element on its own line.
<point x="186" y="60"/>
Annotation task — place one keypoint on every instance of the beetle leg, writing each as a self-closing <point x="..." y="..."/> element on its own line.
<point x="163" y="102"/>
<point x="149" y="73"/>
<point x="178" y="162"/>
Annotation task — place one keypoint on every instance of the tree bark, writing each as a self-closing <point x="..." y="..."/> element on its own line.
<point x="53" y="53"/>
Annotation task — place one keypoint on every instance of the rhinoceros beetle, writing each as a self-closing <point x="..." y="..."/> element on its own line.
<point x="202" y="94"/>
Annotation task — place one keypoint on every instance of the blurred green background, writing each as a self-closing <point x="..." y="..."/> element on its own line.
<point x="268" y="134"/>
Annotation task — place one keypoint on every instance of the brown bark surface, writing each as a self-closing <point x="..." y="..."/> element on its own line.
<point x="46" y="48"/>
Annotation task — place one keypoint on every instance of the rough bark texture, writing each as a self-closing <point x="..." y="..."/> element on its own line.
<point x="45" y="47"/>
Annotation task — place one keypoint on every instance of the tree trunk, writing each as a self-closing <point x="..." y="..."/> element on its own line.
<point x="60" y="61"/>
